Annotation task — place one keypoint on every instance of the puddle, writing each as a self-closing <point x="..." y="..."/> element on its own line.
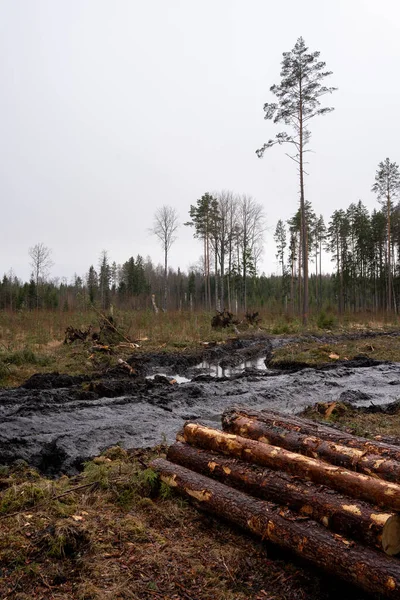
<point x="257" y="364"/>
<point x="177" y="378"/>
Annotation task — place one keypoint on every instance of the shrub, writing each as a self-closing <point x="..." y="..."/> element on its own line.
<point x="326" y="321"/>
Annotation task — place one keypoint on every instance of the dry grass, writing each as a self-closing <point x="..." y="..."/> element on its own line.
<point x="32" y="342"/>
<point x="358" y="421"/>
<point x="314" y="353"/>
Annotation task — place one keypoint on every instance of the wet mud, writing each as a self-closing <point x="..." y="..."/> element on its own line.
<point x="55" y="421"/>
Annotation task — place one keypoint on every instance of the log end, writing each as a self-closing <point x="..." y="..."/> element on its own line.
<point x="391" y="536"/>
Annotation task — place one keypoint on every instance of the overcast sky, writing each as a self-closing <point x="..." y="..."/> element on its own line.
<point x="112" y="108"/>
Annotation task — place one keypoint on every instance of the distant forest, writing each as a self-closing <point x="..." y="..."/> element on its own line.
<point x="366" y="261"/>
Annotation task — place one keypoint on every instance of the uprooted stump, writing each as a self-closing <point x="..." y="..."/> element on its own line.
<point x="223" y="319"/>
<point x="253" y="318"/>
<point x="72" y="334"/>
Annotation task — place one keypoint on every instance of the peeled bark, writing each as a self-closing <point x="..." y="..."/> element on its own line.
<point x="352" y="518"/>
<point x="354" y="459"/>
<point x="356" y="485"/>
<point x="371" y="570"/>
<point x="308" y="427"/>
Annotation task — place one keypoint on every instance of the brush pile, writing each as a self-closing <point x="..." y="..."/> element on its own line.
<point x="327" y="496"/>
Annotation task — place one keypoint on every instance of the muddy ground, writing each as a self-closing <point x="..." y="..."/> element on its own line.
<point x="56" y="421"/>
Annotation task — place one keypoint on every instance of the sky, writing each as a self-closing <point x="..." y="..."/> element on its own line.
<point x="110" y="109"/>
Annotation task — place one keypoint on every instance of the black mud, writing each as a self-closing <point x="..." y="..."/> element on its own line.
<point x="56" y="421"/>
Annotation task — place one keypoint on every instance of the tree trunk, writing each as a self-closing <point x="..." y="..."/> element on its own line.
<point x="389" y="304"/>
<point x="308" y="427"/>
<point x="352" y="484"/>
<point x="371" y="570"/>
<point x="165" y="277"/>
<point x="354" y="459"/>
<point x="352" y="518"/>
<point x="303" y="211"/>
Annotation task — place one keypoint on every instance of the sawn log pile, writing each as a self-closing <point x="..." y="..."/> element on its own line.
<point x="329" y="497"/>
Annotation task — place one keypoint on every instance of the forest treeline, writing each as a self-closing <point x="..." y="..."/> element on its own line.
<point x="231" y="229"/>
<point x="364" y="246"/>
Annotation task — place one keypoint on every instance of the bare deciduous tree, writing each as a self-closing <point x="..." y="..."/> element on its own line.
<point x="41" y="264"/>
<point x="387" y="188"/>
<point x="251" y="221"/>
<point x="164" y="227"/>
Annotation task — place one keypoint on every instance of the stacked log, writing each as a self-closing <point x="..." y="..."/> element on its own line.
<point x="348" y="516"/>
<point x="273" y="476"/>
<point x="358" y="485"/>
<point x="311" y="428"/>
<point x="374" y="572"/>
<point x="378" y="460"/>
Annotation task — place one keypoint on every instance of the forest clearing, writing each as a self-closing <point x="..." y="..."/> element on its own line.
<point x="112" y="406"/>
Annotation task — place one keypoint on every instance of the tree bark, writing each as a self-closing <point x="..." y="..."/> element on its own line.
<point x="354" y="459"/>
<point x="371" y="570"/>
<point x="352" y="518"/>
<point x="308" y="427"/>
<point x="352" y="484"/>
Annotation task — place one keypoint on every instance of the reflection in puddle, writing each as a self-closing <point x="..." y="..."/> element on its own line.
<point x="218" y="371"/>
<point x="177" y="378"/>
<point x="214" y="370"/>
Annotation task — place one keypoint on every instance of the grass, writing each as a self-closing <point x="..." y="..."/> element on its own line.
<point x="339" y="347"/>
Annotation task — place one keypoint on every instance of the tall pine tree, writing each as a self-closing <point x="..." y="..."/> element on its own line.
<point x="298" y="101"/>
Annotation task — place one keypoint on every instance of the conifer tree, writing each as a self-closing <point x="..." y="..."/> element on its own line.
<point x="298" y="101"/>
<point x="205" y="217"/>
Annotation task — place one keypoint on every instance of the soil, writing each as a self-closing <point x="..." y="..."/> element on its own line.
<point x="56" y="422"/>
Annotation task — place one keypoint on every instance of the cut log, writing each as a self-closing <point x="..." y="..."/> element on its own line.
<point x="308" y="427"/>
<point x="350" y="517"/>
<point x="373" y="571"/>
<point x="354" y="459"/>
<point x="356" y="485"/>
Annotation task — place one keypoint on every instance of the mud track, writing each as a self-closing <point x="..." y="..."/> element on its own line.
<point x="55" y="422"/>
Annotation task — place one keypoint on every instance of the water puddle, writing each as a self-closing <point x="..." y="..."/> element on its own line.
<point x="177" y="378"/>
<point x="257" y="364"/>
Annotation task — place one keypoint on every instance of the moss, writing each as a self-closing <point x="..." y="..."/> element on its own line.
<point x="98" y="473"/>
<point x="19" y="497"/>
<point x="115" y="453"/>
